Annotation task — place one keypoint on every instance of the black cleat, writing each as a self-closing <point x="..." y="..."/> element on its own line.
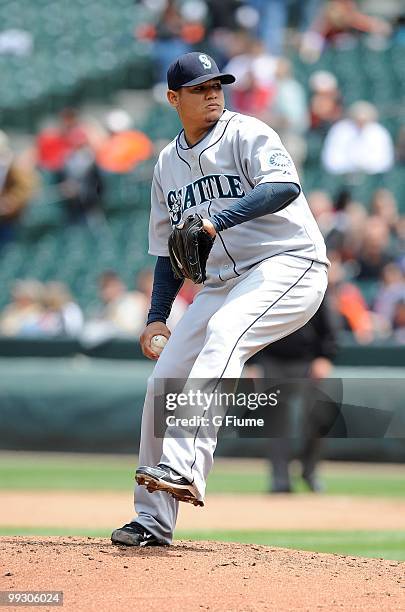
<point x="134" y="534"/>
<point x="163" y="478"/>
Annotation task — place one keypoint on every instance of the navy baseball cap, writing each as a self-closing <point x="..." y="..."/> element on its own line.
<point x="195" y="68"/>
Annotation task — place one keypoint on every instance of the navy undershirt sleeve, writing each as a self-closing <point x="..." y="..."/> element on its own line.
<point x="165" y="288"/>
<point x="264" y="199"/>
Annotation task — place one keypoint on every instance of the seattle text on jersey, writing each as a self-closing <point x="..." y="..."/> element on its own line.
<point x="205" y="189"/>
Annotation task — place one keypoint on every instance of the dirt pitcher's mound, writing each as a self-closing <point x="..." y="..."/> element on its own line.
<point x="95" y="575"/>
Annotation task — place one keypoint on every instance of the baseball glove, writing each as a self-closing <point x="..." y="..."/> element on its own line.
<point x="189" y="247"/>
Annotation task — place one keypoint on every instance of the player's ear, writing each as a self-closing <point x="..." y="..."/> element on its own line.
<point x="173" y="97"/>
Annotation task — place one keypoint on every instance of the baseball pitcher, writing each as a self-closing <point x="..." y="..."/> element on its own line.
<point x="227" y="209"/>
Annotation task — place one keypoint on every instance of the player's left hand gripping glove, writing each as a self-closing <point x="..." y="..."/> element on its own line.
<point x="189" y="247"/>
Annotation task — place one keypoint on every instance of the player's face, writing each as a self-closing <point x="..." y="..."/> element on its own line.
<point x="199" y="105"/>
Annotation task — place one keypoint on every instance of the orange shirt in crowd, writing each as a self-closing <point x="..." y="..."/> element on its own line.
<point x="353" y="308"/>
<point x="121" y="152"/>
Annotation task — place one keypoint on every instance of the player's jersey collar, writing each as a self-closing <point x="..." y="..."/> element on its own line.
<point x="181" y="139"/>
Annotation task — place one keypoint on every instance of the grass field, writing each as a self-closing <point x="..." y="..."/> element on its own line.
<point x="111" y="473"/>
<point x="105" y="473"/>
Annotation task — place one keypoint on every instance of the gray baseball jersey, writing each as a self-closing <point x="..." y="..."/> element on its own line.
<point x="237" y="154"/>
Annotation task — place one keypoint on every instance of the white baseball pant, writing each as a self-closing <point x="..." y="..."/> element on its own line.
<point x="225" y="325"/>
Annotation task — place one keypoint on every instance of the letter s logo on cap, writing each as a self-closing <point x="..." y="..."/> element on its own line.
<point x="206" y="62"/>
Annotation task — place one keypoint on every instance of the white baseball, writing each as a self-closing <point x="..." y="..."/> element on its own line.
<point x="158" y="343"/>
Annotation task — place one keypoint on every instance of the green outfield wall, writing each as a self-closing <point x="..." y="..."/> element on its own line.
<point x="86" y="404"/>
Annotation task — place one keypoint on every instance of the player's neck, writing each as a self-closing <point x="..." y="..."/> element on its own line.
<point x="194" y="134"/>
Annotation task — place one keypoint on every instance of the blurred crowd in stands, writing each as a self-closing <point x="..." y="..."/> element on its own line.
<point x="255" y="40"/>
<point x="49" y="310"/>
<point x="177" y="27"/>
<point x="73" y="154"/>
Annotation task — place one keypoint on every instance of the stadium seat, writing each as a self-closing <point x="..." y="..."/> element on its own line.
<point x="78" y="48"/>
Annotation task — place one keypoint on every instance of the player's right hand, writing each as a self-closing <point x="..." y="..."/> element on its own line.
<point x="153" y="329"/>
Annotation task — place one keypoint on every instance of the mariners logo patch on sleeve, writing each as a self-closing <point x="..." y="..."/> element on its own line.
<point x="280" y="160"/>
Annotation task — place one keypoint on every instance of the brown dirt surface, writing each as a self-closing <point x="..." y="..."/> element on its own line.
<point x="95" y="575"/>
<point x="104" y="510"/>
